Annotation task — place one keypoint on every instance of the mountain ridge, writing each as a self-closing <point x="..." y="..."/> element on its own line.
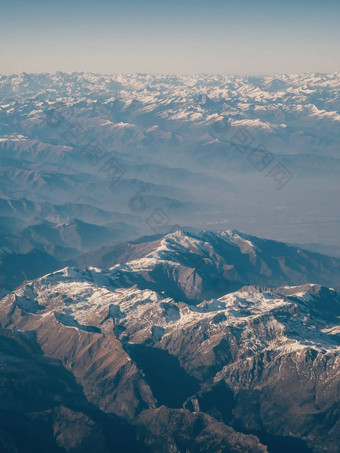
<point x="144" y="353"/>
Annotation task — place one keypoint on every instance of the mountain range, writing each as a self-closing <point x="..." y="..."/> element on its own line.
<point x="191" y="342"/>
<point x="135" y="313"/>
<point x="210" y="151"/>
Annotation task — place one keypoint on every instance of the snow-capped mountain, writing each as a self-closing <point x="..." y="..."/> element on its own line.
<point x="194" y="266"/>
<point x="157" y="360"/>
<point x="129" y="324"/>
<point x="189" y="145"/>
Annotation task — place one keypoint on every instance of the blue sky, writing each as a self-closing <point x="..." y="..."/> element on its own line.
<point x="240" y="37"/>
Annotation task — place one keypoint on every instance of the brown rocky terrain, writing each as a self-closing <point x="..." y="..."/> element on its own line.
<point x="105" y="358"/>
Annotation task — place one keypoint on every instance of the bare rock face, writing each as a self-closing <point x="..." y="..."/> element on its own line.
<point x="253" y="370"/>
<point x="176" y="430"/>
<point x="44" y="409"/>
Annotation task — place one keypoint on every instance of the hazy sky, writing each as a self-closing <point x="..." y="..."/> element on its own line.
<point x="187" y="36"/>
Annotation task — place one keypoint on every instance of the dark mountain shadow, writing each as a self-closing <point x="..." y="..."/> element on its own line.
<point x="41" y="405"/>
<point x="169" y="383"/>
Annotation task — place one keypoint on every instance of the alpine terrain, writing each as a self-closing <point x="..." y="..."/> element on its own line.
<point x="188" y="342"/>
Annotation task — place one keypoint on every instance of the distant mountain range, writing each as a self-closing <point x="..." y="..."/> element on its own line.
<point x="209" y="151"/>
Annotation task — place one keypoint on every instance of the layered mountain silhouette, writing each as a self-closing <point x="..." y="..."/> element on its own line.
<point x="204" y="149"/>
<point x="124" y="326"/>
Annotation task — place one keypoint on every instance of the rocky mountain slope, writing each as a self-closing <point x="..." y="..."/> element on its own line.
<point x="192" y="266"/>
<point x="248" y="369"/>
<point x="43" y="408"/>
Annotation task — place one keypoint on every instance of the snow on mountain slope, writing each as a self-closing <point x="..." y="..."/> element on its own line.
<point x="180" y="137"/>
<point x="193" y="266"/>
<point x="77" y="300"/>
<point x="134" y="296"/>
<point x="243" y="339"/>
<point x="207" y="330"/>
<point x="128" y="108"/>
<point x="133" y="347"/>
